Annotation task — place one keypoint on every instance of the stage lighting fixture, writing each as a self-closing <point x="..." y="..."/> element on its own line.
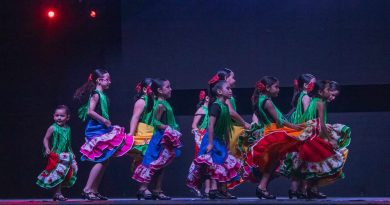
<point x="51" y="13"/>
<point x="92" y="13"/>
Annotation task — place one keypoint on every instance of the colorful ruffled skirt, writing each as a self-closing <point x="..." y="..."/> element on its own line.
<point x="198" y="136"/>
<point x="244" y="142"/>
<point x="142" y="136"/>
<point x="162" y="149"/>
<point x="234" y="148"/>
<point x="323" y="169"/>
<point x="61" y="169"/>
<point x="103" y="142"/>
<point x="217" y="164"/>
<point x="272" y="146"/>
<point x="248" y="138"/>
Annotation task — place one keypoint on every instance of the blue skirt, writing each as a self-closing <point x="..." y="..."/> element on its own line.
<point x="155" y="148"/>
<point x="162" y="149"/>
<point x="95" y="128"/>
<point x="217" y="164"/>
<point x="103" y="142"/>
<point x="219" y="152"/>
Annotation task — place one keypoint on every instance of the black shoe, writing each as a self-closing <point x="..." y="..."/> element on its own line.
<point x="264" y="194"/>
<point x="143" y="194"/>
<point x="59" y="197"/>
<point x="101" y="197"/>
<point x="196" y="192"/>
<point x="215" y="194"/>
<point x="160" y="196"/>
<point x="89" y="196"/>
<point x="297" y="194"/>
<point x="315" y="195"/>
<point x="206" y="196"/>
<point x="227" y="195"/>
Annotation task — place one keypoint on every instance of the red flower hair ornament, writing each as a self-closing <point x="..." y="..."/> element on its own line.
<point x="296" y="86"/>
<point x="149" y="90"/>
<point x="138" y="87"/>
<point x="202" y="95"/>
<point x="90" y="77"/>
<point x="310" y="87"/>
<point x="214" y="79"/>
<point x="260" y="86"/>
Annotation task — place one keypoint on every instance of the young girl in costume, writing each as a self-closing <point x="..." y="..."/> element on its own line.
<point x="163" y="147"/>
<point x="318" y="165"/>
<point x="61" y="168"/>
<point x="239" y="123"/>
<point x="303" y="85"/>
<point x="141" y="127"/>
<point x="278" y="135"/>
<point x="334" y="90"/>
<point x="214" y="161"/>
<point x="201" y="120"/>
<point x="238" y="128"/>
<point x="102" y="139"/>
<point x="199" y="129"/>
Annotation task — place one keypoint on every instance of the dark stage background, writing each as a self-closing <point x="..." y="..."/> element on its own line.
<point x="44" y="60"/>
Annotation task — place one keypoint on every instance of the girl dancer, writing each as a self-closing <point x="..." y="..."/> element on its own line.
<point x="303" y="85"/>
<point x="318" y="165"/>
<point x="141" y="127"/>
<point x="199" y="129"/>
<point x="163" y="147"/>
<point x="102" y="139"/>
<point x="278" y="135"/>
<point x="214" y="162"/>
<point x="201" y="120"/>
<point x="239" y="123"/>
<point x="61" y="168"/>
<point x="238" y="127"/>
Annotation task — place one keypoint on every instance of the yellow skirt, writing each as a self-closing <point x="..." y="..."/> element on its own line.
<point x="236" y="132"/>
<point x="143" y="134"/>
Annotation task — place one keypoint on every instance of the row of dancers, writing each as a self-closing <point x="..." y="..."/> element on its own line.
<point x="229" y="151"/>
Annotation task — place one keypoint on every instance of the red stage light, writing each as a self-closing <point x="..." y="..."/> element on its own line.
<point x="51" y="14"/>
<point x="92" y="13"/>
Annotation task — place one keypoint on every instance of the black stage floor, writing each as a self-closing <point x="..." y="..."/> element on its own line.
<point x="185" y="201"/>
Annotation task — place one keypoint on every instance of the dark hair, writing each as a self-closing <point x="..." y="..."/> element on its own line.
<point x="156" y="84"/>
<point x="224" y="73"/>
<point x="333" y="86"/>
<point x="301" y="80"/>
<point x="145" y="83"/>
<point x="64" y="107"/>
<point x="320" y="85"/>
<point x="83" y="92"/>
<point x="265" y="81"/>
<point x="201" y="102"/>
<point x="228" y="71"/>
<point x="221" y="75"/>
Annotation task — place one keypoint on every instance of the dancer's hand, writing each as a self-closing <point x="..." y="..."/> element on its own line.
<point x="194" y="131"/>
<point x="209" y="147"/>
<point x="324" y="133"/>
<point x="300" y="127"/>
<point x="297" y="127"/>
<point x="47" y="151"/>
<point x="164" y="127"/>
<point x="107" y="123"/>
